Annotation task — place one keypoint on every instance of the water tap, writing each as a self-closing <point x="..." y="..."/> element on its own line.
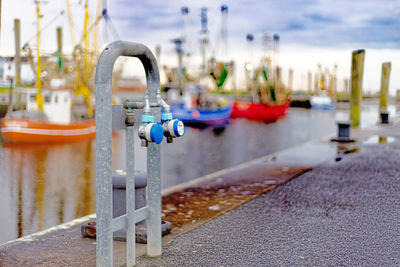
<point x="172" y="127"/>
<point x="150" y="131"/>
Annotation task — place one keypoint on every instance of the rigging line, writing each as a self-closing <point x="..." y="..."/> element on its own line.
<point x="91" y="27"/>
<point x="109" y="25"/>
<point x="46" y="26"/>
<point x="112" y="28"/>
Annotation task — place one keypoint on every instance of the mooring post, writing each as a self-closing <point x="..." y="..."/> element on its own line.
<point x="383" y="103"/>
<point x="357" y="70"/>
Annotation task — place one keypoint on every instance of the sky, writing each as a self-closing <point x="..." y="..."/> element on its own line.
<point x="310" y="31"/>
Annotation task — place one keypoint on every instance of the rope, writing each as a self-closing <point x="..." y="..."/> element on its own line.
<point x="46" y="26"/>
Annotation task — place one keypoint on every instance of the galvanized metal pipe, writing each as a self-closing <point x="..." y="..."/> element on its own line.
<point x="154" y="195"/>
<point x="104" y="247"/>
<point x="130" y="197"/>
<point x="139" y="105"/>
<point x="163" y="104"/>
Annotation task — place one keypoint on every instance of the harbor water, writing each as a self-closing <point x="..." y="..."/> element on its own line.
<point x="46" y="185"/>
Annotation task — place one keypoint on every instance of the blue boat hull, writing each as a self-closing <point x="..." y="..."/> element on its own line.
<point x="323" y="106"/>
<point x="202" y="117"/>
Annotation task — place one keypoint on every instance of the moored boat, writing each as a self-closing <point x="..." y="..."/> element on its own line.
<point x="203" y="117"/>
<point x="21" y="131"/>
<point x="300" y="100"/>
<point x="322" y="101"/>
<point x="55" y="124"/>
<point x="258" y="111"/>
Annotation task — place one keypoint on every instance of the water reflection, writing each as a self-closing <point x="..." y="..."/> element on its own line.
<point x="85" y="195"/>
<point x="44" y="186"/>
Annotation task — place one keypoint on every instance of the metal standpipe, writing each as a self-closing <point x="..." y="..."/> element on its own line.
<point x="109" y="118"/>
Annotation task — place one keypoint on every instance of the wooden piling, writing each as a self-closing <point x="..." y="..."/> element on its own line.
<point x="17" y="59"/>
<point x="357" y="70"/>
<point x="309" y="81"/>
<point x="290" y="80"/>
<point x="383" y="103"/>
<point x="346" y="86"/>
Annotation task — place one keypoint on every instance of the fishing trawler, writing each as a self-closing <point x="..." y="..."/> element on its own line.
<point x="268" y="101"/>
<point x="323" y="98"/>
<point x="203" y="110"/>
<point x="259" y="111"/>
<point x="54" y="115"/>
<point x="194" y="105"/>
<point x="321" y="101"/>
<point x="54" y="125"/>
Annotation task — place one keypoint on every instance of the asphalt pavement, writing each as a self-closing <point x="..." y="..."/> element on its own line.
<point x="345" y="212"/>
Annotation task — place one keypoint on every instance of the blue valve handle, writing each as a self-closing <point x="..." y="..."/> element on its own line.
<point x="157" y="133"/>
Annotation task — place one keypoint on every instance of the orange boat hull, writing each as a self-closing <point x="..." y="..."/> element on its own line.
<point x="24" y="131"/>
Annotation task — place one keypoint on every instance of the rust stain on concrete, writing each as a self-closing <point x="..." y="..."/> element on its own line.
<point x="216" y="197"/>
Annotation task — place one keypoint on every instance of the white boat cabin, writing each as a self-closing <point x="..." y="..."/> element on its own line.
<point x="56" y="104"/>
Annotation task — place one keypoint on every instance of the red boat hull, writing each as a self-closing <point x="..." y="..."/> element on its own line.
<point x="258" y="111"/>
<point x="19" y="131"/>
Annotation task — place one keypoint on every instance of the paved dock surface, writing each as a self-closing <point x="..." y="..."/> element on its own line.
<point x="344" y="213"/>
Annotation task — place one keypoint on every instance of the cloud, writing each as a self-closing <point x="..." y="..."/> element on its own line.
<point x="338" y="23"/>
<point x="383" y="21"/>
<point x="295" y="26"/>
<point x="328" y="23"/>
<point x="320" y="18"/>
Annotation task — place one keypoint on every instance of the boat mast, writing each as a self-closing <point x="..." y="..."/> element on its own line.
<point x="204" y="40"/>
<point x="0" y="17"/>
<point x="39" y="97"/>
<point x="188" y="31"/>
<point x="180" y="73"/>
<point x="59" y="48"/>
<point x="71" y="23"/>
<point x="85" y="43"/>
<point x="222" y="38"/>
<point x="276" y="62"/>
<point x="249" y="67"/>
<point x="83" y="73"/>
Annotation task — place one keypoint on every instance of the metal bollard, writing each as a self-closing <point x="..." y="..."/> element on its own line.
<point x="109" y="118"/>
<point x="384" y="117"/>
<point x="343" y="132"/>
